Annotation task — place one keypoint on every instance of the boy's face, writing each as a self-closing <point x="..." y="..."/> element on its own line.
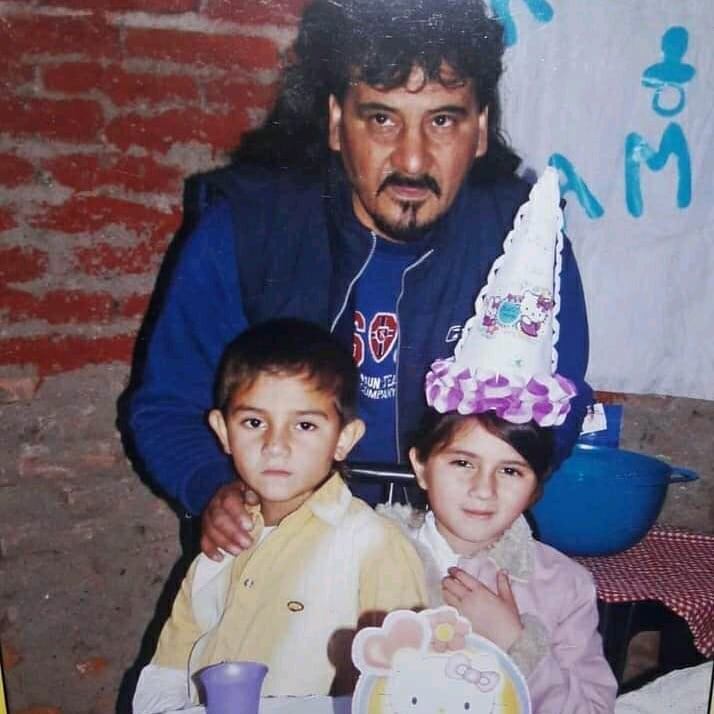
<point x="284" y="435"/>
<point x="477" y="485"/>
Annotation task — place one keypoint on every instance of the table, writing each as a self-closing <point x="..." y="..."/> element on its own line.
<point x="670" y="566"/>
<point x="684" y="691"/>
<point x="292" y="705"/>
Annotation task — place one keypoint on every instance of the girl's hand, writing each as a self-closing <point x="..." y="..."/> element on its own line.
<point x="492" y="615"/>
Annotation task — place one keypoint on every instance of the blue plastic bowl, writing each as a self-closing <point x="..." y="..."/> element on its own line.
<point x="603" y="500"/>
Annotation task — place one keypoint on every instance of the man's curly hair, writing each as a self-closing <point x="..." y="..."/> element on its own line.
<point x="379" y="42"/>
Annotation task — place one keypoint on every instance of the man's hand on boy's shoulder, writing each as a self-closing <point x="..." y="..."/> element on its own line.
<point x="226" y="524"/>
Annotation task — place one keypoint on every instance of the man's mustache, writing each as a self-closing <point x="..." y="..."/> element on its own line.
<point x="425" y="181"/>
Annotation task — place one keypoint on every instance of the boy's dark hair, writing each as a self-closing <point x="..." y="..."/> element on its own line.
<point x="288" y="346"/>
<point x="534" y="443"/>
<point x="379" y="43"/>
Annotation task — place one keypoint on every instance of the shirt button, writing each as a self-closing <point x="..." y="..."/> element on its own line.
<point x="248" y="583"/>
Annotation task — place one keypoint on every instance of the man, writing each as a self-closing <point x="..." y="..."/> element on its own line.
<point x="373" y="201"/>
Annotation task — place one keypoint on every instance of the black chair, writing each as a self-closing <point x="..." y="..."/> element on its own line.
<point x="391" y="477"/>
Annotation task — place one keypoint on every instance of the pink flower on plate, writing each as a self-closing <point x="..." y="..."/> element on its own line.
<point x="448" y="631"/>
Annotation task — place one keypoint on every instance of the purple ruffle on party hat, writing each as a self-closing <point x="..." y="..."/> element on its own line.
<point x="506" y="360"/>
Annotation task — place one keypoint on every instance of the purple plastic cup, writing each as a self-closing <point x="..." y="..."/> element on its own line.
<point x="232" y="687"/>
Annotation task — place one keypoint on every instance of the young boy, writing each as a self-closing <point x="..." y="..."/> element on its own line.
<point x="322" y="562"/>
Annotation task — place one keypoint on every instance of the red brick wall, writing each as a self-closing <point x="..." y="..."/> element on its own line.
<point x="105" y="106"/>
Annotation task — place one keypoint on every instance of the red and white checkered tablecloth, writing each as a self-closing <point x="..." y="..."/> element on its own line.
<point x="669" y="565"/>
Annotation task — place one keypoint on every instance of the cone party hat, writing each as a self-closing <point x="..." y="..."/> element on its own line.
<point x="506" y="359"/>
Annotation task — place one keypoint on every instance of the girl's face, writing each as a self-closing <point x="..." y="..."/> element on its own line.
<point x="477" y="485"/>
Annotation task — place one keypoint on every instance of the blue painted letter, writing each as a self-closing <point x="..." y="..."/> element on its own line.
<point x="573" y="182"/>
<point x="638" y="150"/>
<point x="540" y="9"/>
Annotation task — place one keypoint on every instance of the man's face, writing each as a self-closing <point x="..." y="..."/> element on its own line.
<point x="407" y="150"/>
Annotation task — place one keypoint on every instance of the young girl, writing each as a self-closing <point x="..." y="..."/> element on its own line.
<point x="482" y="456"/>
<point x="481" y="473"/>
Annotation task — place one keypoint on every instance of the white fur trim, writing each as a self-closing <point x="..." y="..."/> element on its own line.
<point x="533" y="644"/>
<point x="514" y="551"/>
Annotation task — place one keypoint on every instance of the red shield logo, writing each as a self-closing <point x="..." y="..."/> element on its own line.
<point x="383" y="332"/>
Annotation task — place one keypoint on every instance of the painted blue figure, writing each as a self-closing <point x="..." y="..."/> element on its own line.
<point x="638" y="150"/>
<point x="574" y="183"/>
<point x="671" y="73"/>
<point x="541" y="10"/>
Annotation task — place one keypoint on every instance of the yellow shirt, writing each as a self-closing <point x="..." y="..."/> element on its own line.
<point x="294" y="600"/>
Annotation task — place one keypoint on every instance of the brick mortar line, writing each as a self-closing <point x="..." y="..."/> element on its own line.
<point x="143" y="108"/>
<point x="199" y="72"/>
<point x="164" y="203"/>
<point x="129" y="286"/>
<point x="109" y="110"/>
<point x="157" y="67"/>
<point x="42" y="194"/>
<point x="33" y="148"/>
<point x="195" y="22"/>
<point x="94" y="378"/>
<point x="31" y="329"/>
<point x="10" y="9"/>
<point x="34" y="193"/>
<point x="56" y="242"/>
<point x="39" y="58"/>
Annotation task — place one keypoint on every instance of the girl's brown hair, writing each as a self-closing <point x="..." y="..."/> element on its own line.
<point x="534" y="443"/>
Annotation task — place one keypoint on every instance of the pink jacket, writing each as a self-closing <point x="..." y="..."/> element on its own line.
<point x="560" y="651"/>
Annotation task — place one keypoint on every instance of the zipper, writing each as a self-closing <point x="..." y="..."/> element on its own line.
<point x="399" y="346"/>
<point x="353" y="281"/>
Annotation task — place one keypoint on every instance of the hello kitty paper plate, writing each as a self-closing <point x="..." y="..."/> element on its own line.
<point x="426" y="662"/>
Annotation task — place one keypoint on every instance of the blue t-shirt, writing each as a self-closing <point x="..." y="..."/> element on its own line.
<point x="375" y="346"/>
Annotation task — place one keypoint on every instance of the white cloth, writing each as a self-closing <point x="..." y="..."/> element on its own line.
<point x="291" y="705"/>
<point x="159" y="689"/>
<point x="684" y="691"/>
<point x="573" y="87"/>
